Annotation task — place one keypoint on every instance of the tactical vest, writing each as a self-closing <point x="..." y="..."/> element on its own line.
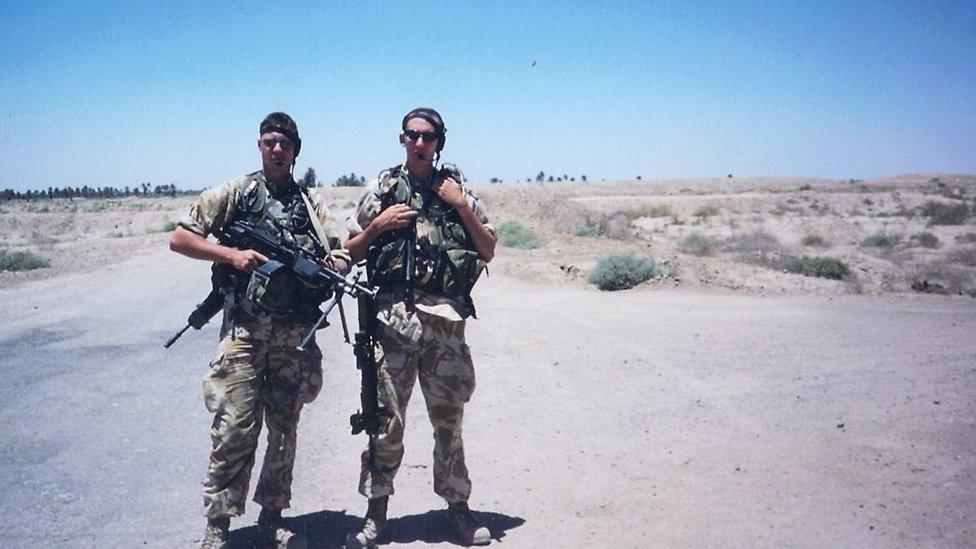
<point x="287" y="217"/>
<point x="445" y="261"/>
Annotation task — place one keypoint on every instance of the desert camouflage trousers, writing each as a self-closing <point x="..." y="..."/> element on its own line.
<point x="258" y="376"/>
<point x="441" y="360"/>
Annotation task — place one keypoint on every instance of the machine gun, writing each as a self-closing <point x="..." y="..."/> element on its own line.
<point x="286" y="261"/>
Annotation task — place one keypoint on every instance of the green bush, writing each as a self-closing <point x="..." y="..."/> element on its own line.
<point x="589" y="229"/>
<point x="696" y="243"/>
<point x="880" y="240"/>
<point x="619" y="272"/>
<point x="705" y="211"/>
<point x="940" y="213"/>
<point x="515" y="235"/>
<point x="21" y="261"/>
<point x="927" y="240"/>
<point x="816" y="266"/>
<point x="169" y="226"/>
<point x="814" y="240"/>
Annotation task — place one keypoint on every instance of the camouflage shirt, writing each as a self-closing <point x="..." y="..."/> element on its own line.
<point x="252" y="198"/>
<point x="370" y="206"/>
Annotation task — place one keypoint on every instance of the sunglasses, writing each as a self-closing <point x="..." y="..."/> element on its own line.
<point x="286" y="144"/>
<point x="413" y="135"/>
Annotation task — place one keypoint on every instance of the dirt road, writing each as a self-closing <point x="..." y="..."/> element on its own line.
<point x="631" y="419"/>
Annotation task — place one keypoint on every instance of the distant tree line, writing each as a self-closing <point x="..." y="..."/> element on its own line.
<point x="143" y="190"/>
<point x="542" y="177"/>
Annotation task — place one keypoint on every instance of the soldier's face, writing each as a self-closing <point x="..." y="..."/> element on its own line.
<point x="277" y="155"/>
<point x="420" y="141"/>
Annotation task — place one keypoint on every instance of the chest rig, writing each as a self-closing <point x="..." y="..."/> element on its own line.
<point x="434" y="253"/>
<point x="271" y="288"/>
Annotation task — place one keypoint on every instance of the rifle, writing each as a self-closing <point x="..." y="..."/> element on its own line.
<point x="373" y="417"/>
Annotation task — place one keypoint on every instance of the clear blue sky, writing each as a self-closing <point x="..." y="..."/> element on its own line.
<point x="116" y="93"/>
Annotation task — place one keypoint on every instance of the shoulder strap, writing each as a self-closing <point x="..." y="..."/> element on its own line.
<point x="313" y="216"/>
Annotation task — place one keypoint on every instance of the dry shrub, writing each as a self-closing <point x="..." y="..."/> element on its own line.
<point x="964" y="256"/>
<point x="940" y="213"/>
<point x="926" y="239"/>
<point x="880" y="240"/>
<point x="648" y="210"/>
<point x="815" y="240"/>
<point x="754" y="242"/>
<point x="618" y="227"/>
<point x="699" y="244"/>
<point x="942" y="277"/>
<point x="706" y="211"/>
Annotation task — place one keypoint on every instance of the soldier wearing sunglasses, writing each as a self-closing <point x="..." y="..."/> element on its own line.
<point x="258" y="375"/>
<point x="426" y="238"/>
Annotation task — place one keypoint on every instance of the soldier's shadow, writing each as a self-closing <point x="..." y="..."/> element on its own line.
<point x="431" y="527"/>
<point x="328" y="529"/>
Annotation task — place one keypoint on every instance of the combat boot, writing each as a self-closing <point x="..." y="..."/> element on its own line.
<point x="218" y="530"/>
<point x="276" y="532"/>
<point x="372" y="526"/>
<point x="465" y="525"/>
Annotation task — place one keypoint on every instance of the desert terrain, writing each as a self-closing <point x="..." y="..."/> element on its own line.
<point x="726" y="401"/>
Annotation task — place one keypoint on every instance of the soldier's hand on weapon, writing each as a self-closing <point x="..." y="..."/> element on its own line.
<point x="246" y="260"/>
<point x="450" y="191"/>
<point x="396" y="216"/>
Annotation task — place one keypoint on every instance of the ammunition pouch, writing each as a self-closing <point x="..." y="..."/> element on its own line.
<point x="274" y="288"/>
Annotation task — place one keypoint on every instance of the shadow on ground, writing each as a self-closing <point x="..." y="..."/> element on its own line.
<point x="328" y="529"/>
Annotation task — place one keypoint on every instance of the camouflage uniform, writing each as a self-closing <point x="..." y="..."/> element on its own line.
<point x="425" y="342"/>
<point x="257" y="374"/>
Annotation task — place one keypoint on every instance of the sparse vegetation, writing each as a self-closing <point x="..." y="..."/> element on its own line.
<point x="515" y="235"/>
<point x="697" y="243"/>
<point x="21" y="261"/>
<point x="755" y="242"/>
<point x="966" y="237"/>
<point x="816" y="266"/>
<point x="940" y="213"/>
<point x="589" y="229"/>
<point x="965" y="256"/>
<point x="814" y="240"/>
<point x="926" y="239"/>
<point x="706" y="211"/>
<point x="648" y="210"/>
<point x="880" y="240"/>
<point x="169" y="226"/>
<point x="617" y="226"/>
<point x="623" y="271"/>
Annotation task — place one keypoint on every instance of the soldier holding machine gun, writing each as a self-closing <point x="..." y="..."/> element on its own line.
<point x="259" y="374"/>
<point x="426" y="238"/>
